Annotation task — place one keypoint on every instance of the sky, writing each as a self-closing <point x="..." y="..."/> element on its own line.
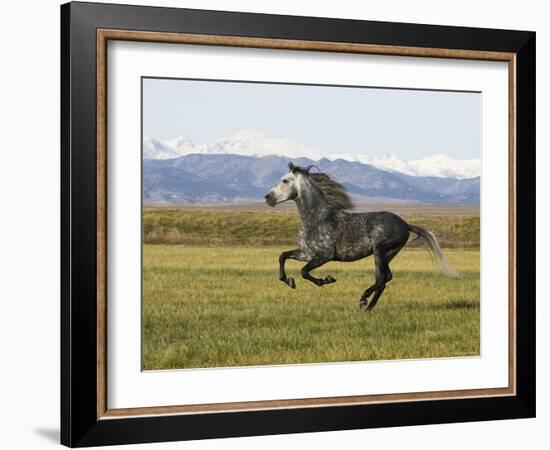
<point x="409" y="123"/>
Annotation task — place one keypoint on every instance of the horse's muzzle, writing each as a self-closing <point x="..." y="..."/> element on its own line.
<point x="270" y="199"/>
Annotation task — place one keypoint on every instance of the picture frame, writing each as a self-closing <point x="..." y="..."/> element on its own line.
<point x="86" y="418"/>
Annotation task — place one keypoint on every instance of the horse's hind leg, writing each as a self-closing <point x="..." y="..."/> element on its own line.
<point x="376" y="296"/>
<point x="291" y="254"/>
<point x="383" y="276"/>
<point x="387" y="278"/>
<point x="381" y="269"/>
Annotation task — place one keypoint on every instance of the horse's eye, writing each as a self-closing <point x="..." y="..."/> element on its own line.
<point x="285" y="181"/>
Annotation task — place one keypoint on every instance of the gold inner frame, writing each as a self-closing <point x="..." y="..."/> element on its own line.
<point x="104" y="35"/>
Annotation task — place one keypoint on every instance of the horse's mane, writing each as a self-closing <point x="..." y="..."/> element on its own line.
<point x="333" y="192"/>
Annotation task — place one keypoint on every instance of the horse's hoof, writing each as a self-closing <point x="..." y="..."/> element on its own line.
<point x="290" y="281"/>
<point x="329" y="279"/>
<point x="363" y="306"/>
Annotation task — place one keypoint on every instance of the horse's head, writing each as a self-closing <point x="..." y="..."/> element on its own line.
<point x="287" y="188"/>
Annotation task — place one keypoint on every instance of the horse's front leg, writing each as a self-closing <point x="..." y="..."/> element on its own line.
<point x="291" y="254"/>
<point x="313" y="264"/>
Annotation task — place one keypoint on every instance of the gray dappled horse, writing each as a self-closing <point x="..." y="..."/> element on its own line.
<point x="330" y="233"/>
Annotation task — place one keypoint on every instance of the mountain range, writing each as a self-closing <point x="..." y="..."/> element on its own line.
<point x="202" y="178"/>
<point x="253" y="143"/>
<point x="244" y="166"/>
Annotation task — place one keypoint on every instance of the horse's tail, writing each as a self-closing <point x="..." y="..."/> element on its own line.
<point x="430" y="239"/>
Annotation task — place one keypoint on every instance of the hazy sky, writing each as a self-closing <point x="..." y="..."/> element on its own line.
<point x="412" y="124"/>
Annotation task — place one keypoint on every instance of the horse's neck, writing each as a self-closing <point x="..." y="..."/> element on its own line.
<point x="312" y="207"/>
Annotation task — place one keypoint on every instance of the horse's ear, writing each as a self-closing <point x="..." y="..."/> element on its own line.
<point x="291" y="167"/>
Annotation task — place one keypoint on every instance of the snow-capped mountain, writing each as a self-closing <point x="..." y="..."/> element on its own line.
<point x="156" y="149"/>
<point x="254" y="143"/>
<point x="446" y="167"/>
<point x="440" y="165"/>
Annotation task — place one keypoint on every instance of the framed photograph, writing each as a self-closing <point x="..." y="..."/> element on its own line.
<point x="276" y="224"/>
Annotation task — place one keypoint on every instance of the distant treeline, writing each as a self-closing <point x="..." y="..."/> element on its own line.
<point x="257" y="228"/>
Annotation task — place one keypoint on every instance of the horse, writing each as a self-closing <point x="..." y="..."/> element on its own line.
<point x="329" y="231"/>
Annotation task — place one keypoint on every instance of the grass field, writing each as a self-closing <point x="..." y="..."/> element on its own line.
<point x="213" y="305"/>
<point x="455" y="227"/>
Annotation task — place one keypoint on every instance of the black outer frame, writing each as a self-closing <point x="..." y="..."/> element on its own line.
<point x="79" y="424"/>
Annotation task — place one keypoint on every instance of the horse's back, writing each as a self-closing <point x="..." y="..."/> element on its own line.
<point x="389" y="220"/>
<point x="360" y="233"/>
<point x="387" y="226"/>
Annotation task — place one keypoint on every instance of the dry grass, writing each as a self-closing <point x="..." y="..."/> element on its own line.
<point x="219" y="227"/>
